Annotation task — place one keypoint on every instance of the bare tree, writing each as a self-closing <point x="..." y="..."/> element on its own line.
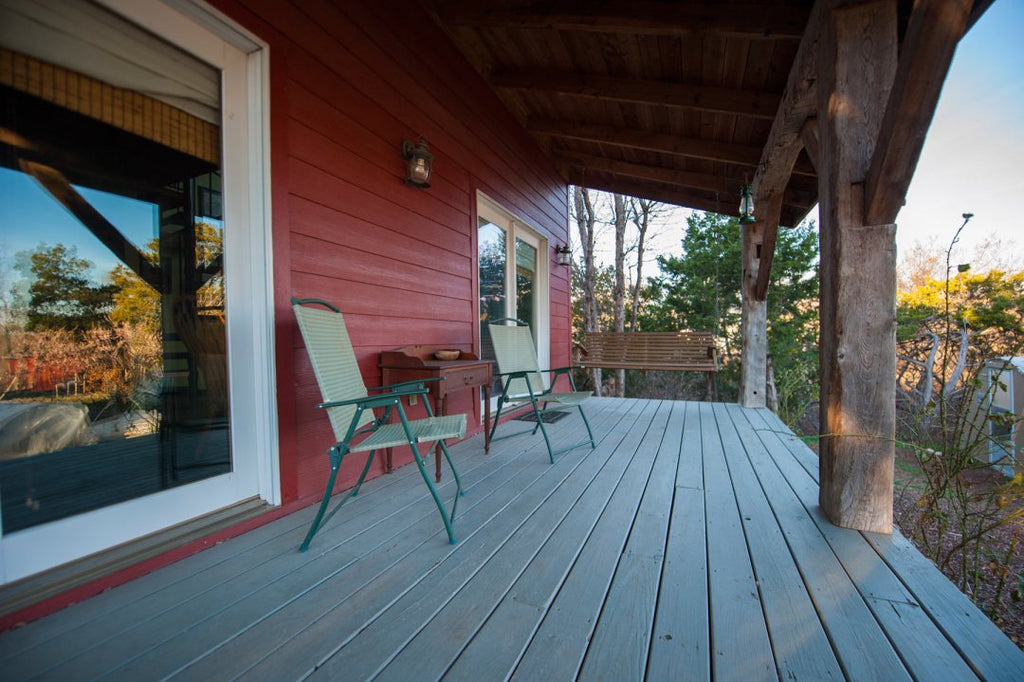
<point x="642" y="212"/>
<point x="586" y="220"/>
<point x="620" y="218"/>
<point x="920" y="263"/>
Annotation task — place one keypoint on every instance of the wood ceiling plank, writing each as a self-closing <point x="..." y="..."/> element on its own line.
<point x="697" y="148"/>
<point x="749" y="21"/>
<point x="610" y="89"/>
<point x="667" y="195"/>
<point x="671" y="176"/>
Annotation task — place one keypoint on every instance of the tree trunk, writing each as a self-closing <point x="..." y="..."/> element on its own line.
<point x="641" y="217"/>
<point x="619" y="288"/>
<point x="585" y="221"/>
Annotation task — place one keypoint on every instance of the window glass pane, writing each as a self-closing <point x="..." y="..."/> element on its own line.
<point x="526" y="284"/>
<point x="492" y="263"/>
<point x="112" y="311"/>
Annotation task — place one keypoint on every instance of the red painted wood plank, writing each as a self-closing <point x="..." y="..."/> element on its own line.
<point x="323" y="101"/>
<point x="313" y="184"/>
<point x="314" y="220"/>
<point x="341" y="262"/>
<point x="323" y="151"/>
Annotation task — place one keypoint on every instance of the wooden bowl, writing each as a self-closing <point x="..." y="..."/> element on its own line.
<point x="447" y="354"/>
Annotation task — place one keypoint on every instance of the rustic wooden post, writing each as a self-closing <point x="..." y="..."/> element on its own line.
<point x="753" y="321"/>
<point x="857" y="60"/>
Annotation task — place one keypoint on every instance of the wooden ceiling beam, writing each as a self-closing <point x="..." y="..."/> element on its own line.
<point x="809" y="138"/>
<point x="669" y="176"/>
<point x="678" y="197"/>
<point x="661" y="143"/>
<point x="785" y="141"/>
<point x="935" y="28"/>
<point x="699" y="97"/>
<point x="797" y="104"/>
<point x="638" y="17"/>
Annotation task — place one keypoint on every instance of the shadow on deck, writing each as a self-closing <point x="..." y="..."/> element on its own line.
<point x="688" y="545"/>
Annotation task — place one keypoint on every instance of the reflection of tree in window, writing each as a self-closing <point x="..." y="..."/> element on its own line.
<point x="526" y="274"/>
<point x="492" y="273"/>
<point x="139" y="352"/>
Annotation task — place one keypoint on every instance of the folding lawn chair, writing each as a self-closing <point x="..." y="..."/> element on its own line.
<point x="522" y="383"/>
<point x="350" y="410"/>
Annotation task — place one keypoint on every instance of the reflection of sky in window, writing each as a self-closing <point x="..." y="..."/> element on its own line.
<point x="29" y="217"/>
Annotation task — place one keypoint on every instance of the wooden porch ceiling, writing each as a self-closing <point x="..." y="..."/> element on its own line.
<point x="674" y="101"/>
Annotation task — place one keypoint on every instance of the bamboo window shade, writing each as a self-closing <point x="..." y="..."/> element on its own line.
<point x="124" y="109"/>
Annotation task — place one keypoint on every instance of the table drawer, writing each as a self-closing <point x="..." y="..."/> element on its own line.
<point x="457" y="379"/>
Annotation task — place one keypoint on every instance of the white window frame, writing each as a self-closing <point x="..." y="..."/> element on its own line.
<point x="212" y="37"/>
<point x="517" y="228"/>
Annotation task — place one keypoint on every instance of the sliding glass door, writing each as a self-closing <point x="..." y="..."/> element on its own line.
<point x="125" y="238"/>
<point x="512" y="276"/>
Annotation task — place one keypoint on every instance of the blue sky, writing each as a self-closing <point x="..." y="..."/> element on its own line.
<point x="28" y="217"/>
<point x="973" y="156"/>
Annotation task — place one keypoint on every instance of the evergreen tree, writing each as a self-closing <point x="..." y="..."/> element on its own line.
<point x="61" y="295"/>
<point x="700" y="290"/>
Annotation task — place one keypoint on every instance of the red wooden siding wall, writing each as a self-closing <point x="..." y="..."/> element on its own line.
<point x="349" y="82"/>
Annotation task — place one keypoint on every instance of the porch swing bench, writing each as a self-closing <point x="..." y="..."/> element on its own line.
<point x="646" y="351"/>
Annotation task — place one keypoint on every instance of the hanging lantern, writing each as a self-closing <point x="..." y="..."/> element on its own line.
<point x="418" y="161"/>
<point x="746" y="205"/>
<point x="563" y="254"/>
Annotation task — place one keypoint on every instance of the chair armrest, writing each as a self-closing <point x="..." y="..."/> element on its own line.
<point x="372" y="400"/>
<point x="521" y="373"/>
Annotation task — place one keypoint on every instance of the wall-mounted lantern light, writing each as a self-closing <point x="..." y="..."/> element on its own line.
<point x="563" y="254"/>
<point x="418" y="161"/>
<point x="746" y="205"/>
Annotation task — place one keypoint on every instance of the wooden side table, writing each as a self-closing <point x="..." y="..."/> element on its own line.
<point x="418" y="362"/>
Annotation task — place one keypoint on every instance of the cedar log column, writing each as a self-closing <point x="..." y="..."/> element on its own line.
<point x="753" y="321"/>
<point x="857" y="60"/>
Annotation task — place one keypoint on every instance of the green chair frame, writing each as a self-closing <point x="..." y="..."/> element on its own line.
<point x="521" y="380"/>
<point x="350" y="409"/>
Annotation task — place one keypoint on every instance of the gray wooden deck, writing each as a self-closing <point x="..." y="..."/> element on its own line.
<point x="687" y="546"/>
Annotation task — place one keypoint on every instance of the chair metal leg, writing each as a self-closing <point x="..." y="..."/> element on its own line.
<point x="446" y="516"/>
<point x="497" y="416"/>
<point x="320" y="519"/>
<point x="366" y="468"/>
<point x="543" y="431"/>
<point x="315" y="526"/>
<point x="455" y="472"/>
<point x="587" y="424"/>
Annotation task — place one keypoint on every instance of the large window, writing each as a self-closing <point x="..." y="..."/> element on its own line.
<point x="125" y="245"/>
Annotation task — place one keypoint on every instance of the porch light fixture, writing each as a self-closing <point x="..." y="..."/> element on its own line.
<point x="418" y="160"/>
<point x="746" y="205"/>
<point x="563" y="254"/>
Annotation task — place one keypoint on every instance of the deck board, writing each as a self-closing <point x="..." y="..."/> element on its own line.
<point x="682" y="628"/>
<point x="859" y="642"/>
<point x="862" y="647"/>
<point x="501" y="640"/>
<point x="737" y="615"/>
<point x="619" y="646"/>
<point x="687" y="545"/>
<point x="799" y="641"/>
<point x="560" y="644"/>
